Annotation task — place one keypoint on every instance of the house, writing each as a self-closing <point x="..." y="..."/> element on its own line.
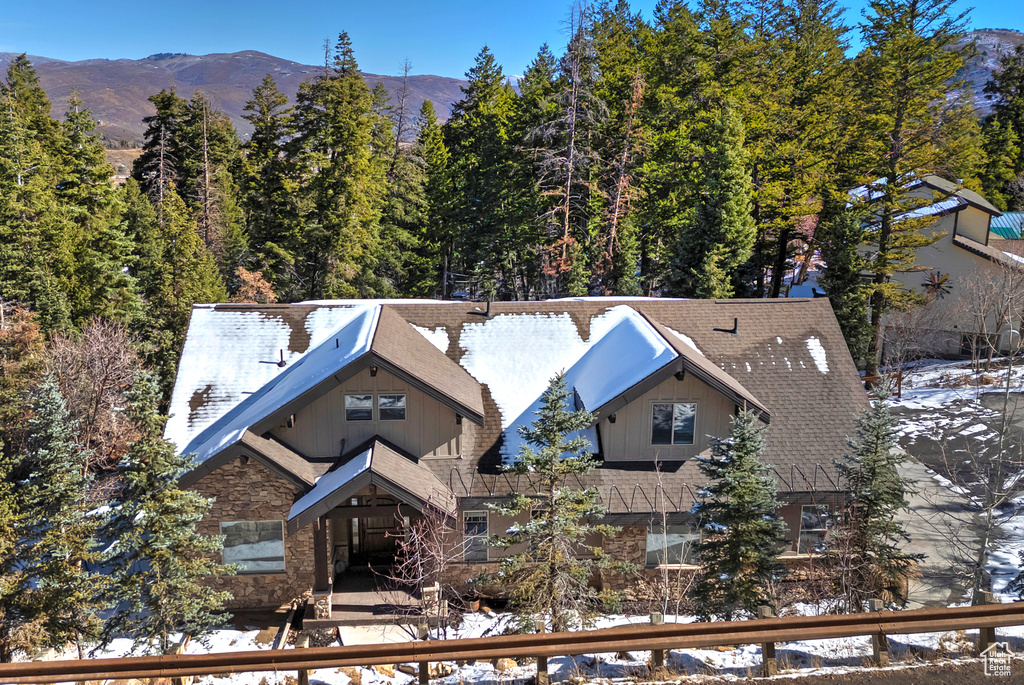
<point x="975" y="241"/>
<point x="320" y="427"/>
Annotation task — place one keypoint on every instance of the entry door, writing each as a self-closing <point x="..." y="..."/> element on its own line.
<point x="378" y="538"/>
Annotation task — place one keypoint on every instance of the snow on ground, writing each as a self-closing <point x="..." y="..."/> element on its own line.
<point x="795" y="658"/>
<point x="947" y="408"/>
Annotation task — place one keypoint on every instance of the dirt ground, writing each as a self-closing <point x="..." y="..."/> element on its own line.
<point x="964" y="672"/>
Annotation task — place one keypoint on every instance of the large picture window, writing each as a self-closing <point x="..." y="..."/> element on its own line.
<point x="673" y="423"/>
<point x="673" y="545"/>
<point x="476" y="535"/>
<point x="256" y="546"/>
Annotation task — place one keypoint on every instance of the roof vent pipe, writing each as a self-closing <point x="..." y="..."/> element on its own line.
<point x="735" y="330"/>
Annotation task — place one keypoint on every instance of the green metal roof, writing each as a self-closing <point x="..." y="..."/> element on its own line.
<point x="1009" y="225"/>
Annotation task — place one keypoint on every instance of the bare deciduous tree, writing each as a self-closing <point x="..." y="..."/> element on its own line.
<point x="987" y="471"/>
<point x="94" y="369"/>
<point x="427" y="549"/>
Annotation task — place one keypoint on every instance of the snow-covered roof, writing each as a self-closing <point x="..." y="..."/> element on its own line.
<point x="348" y="342"/>
<point x="375" y="463"/>
<point x="755" y="352"/>
<point x="369" y="333"/>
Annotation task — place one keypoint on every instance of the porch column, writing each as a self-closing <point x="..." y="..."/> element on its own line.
<point x="321" y="575"/>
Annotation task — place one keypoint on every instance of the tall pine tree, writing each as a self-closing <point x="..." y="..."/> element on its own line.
<point x="743" y="534"/>
<point x="159" y="560"/>
<point x="864" y="550"/>
<point x="549" y="577"/>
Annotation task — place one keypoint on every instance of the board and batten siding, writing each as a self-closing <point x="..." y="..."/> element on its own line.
<point x="428" y="431"/>
<point x="629" y="438"/>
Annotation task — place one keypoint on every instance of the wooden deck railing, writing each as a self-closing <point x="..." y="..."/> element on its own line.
<point x="767" y="631"/>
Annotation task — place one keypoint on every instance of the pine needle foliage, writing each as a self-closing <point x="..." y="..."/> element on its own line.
<point x="160" y="562"/>
<point x="864" y="549"/>
<point x="743" y="535"/>
<point x="48" y="598"/>
<point x="545" y="575"/>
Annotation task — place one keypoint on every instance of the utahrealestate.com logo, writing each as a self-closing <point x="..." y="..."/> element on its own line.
<point x="997" y="659"/>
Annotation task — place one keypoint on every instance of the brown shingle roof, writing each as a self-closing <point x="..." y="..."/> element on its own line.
<point x="712" y="375"/>
<point x="378" y="463"/>
<point x="412" y="357"/>
<point x="813" y="401"/>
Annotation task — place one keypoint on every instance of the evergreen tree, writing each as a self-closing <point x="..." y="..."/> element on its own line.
<point x="435" y="239"/>
<point x="496" y="238"/>
<point x="570" y="161"/>
<point x="208" y="158"/>
<point x="397" y="265"/>
<point x="159" y="560"/>
<point x="794" y="117"/>
<point x="159" y="164"/>
<point x="90" y="211"/>
<point x="47" y="597"/>
<point x="1006" y="87"/>
<point x="547" y="577"/>
<point x="904" y="78"/>
<point x="744" y="536"/>
<point x="342" y="187"/>
<point x="841" y="280"/>
<point x="184" y="274"/>
<point x="269" y="189"/>
<point x="864" y="550"/>
<point x="620" y="37"/>
<point x="15" y="633"/>
<point x="59" y="530"/>
<point x="1002" y="150"/>
<point x="718" y="239"/>
<point x="31" y="241"/>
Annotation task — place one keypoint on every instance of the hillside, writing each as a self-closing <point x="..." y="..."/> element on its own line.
<point x="991" y="44"/>
<point x="117" y="90"/>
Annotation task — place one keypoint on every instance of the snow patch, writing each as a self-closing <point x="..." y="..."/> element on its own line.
<point x="339" y="348"/>
<point x="437" y="337"/>
<point x="516" y="355"/>
<point x="817" y="354"/>
<point x="686" y="339"/>
<point x="331" y="481"/>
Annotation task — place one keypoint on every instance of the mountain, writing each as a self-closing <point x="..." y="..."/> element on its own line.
<point x="991" y="44"/>
<point x="117" y="90"/>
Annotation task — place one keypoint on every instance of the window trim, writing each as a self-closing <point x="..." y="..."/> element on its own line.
<point x="405" y="405"/>
<point x="346" y="409"/>
<point x="375" y="405"/>
<point x="650" y="426"/>
<point x="284" y="546"/>
<point x="487" y="527"/>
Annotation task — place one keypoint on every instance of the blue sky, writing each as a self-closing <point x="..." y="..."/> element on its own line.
<point x="437" y="37"/>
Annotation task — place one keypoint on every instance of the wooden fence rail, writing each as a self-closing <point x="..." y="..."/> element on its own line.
<point x="538" y="645"/>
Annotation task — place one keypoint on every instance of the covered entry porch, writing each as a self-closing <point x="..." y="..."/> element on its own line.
<point x="358" y="511"/>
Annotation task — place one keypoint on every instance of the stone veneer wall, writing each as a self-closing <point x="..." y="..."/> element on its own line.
<point x="630" y="546"/>
<point x="251" y="492"/>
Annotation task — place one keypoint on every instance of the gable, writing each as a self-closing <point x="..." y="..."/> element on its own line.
<point x="430" y="429"/>
<point x="789" y="355"/>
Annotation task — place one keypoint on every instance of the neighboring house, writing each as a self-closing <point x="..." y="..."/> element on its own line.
<point x="976" y="241"/>
<point x="319" y="427"/>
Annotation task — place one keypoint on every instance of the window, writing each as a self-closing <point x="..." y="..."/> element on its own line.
<point x="391" y="407"/>
<point x="815" y="520"/>
<point x="679" y="546"/>
<point x="358" y="407"/>
<point x="476" y="535"/>
<point x="256" y="546"/>
<point x="673" y="423"/>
